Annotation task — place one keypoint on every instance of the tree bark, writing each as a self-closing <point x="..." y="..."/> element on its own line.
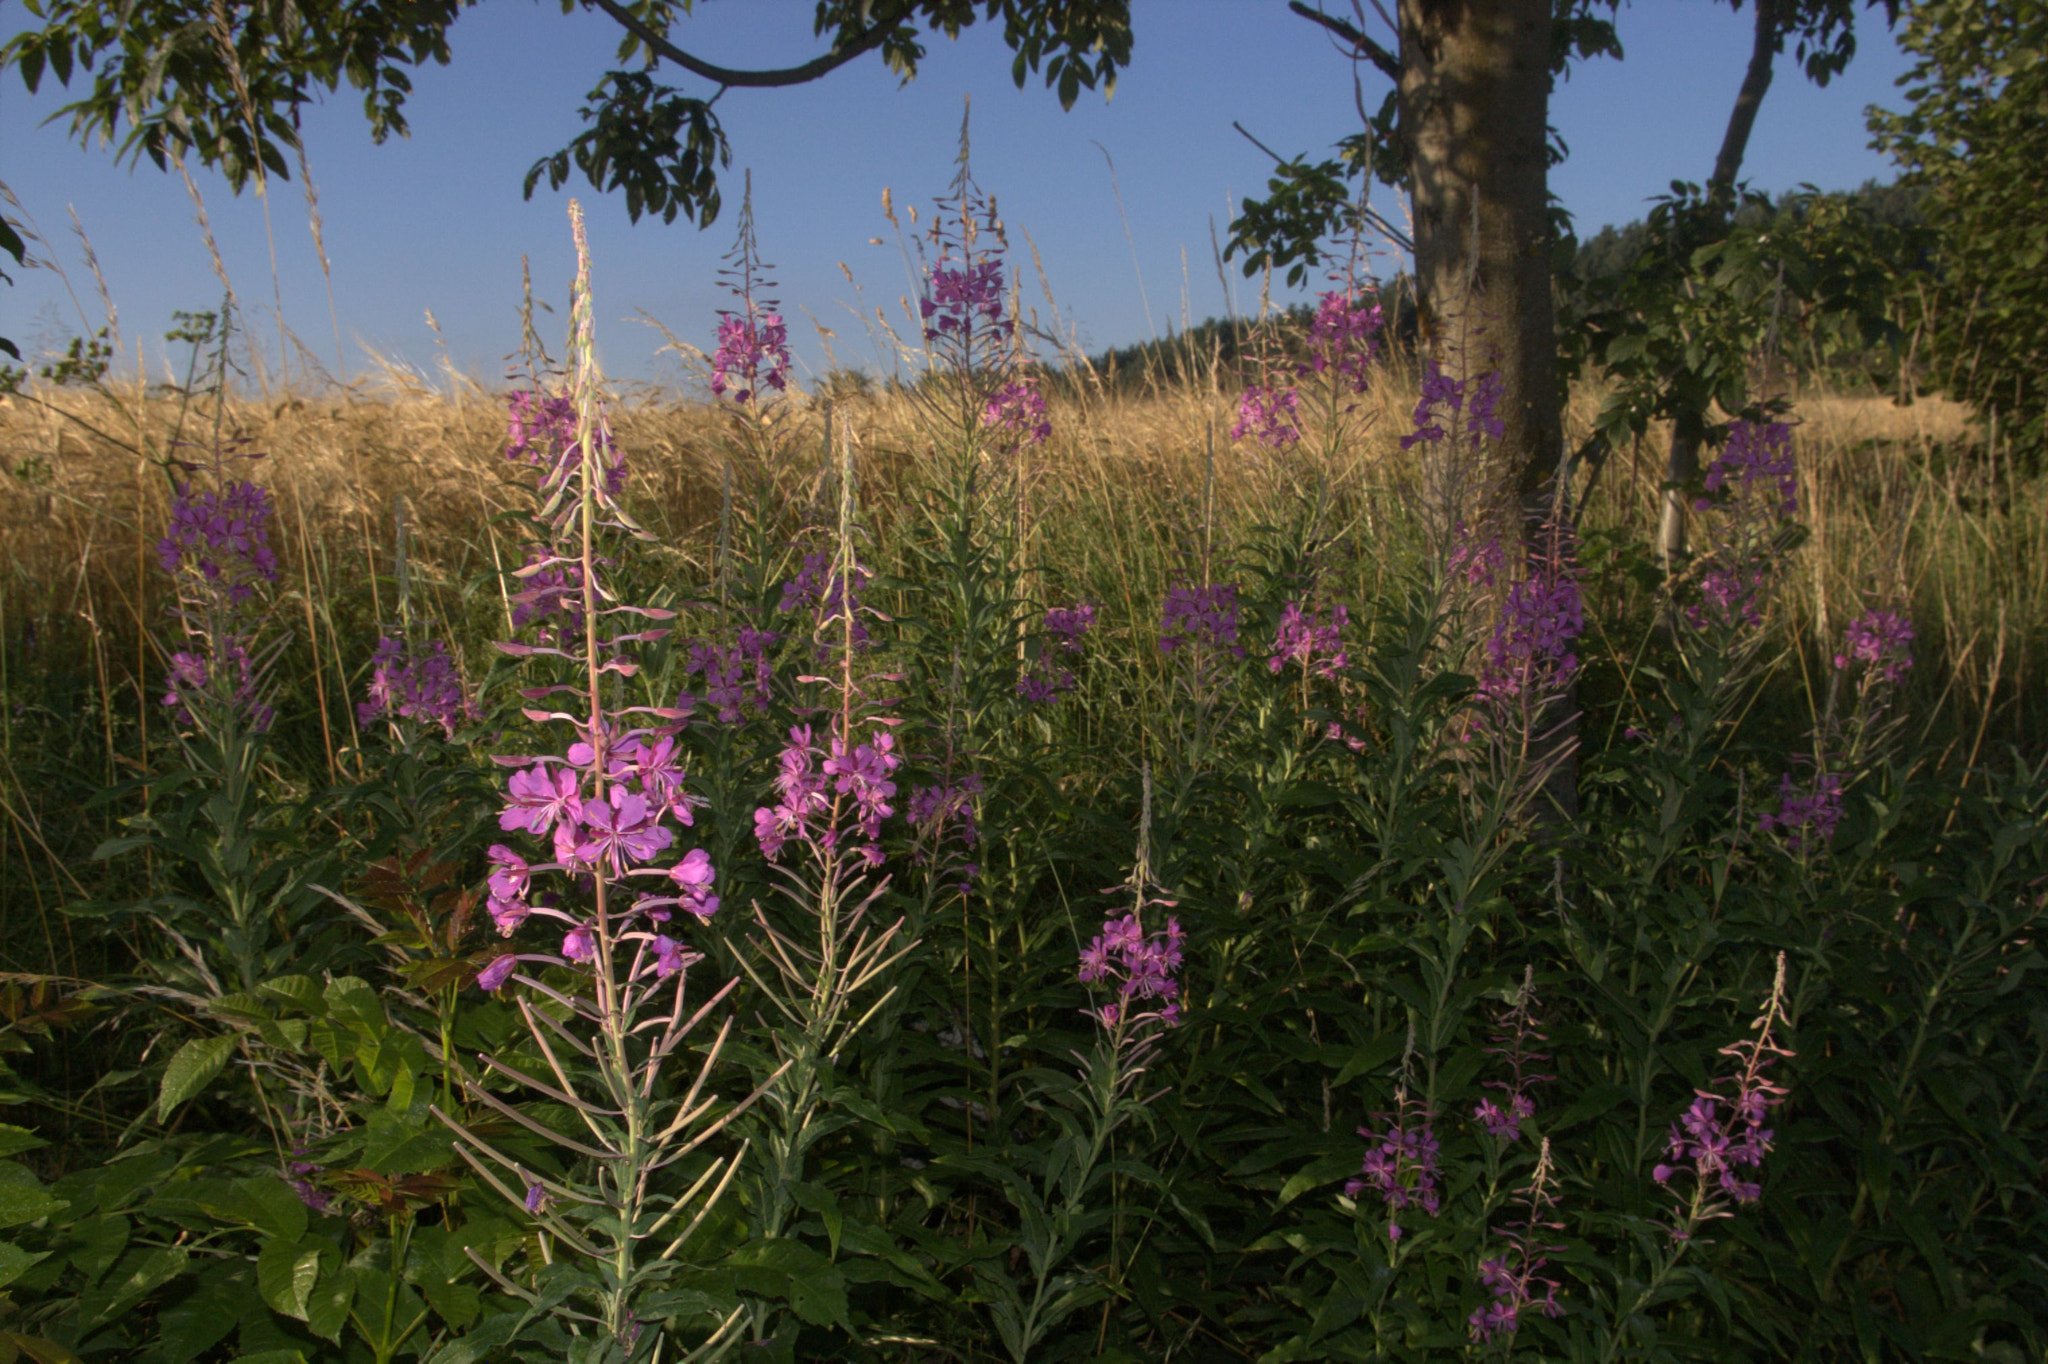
<point x="1474" y="109"/>
<point x="1474" y="102"/>
<point x="1688" y="433"/>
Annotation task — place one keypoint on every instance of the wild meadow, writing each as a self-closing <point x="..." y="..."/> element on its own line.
<point x="1019" y="863"/>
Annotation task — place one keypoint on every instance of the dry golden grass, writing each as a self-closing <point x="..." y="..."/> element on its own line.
<point x="1900" y="501"/>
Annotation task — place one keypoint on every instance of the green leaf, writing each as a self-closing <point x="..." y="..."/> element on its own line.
<point x="27" y="1202"/>
<point x="14" y="1261"/>
<point x="192" y="1069"/>
<point x="14" y="1140"/>
<point x="327" y="1306"/>
<point x="286" y="1274"/>
<point x="140" y="1273"/>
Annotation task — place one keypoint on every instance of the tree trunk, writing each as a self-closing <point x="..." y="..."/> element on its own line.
<point x="1474" y="108"/>
<point x="1689" y="432"/>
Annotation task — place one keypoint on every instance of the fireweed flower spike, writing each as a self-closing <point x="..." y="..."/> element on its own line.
<point x="1806" y="819"/>
<point x="1044" y="679"/>
<point x="1882" y="641"/>
<point x="415" y="684"/>
<point x="1316" y="647"/>
<point x="593" y="822"/>
<point x="1720" y="1153"/>
<point x="1202" y="616"/>
<point x="1400" y="1168"/>
<point x="1343" y="338"/>
<point x="1514" y="1277"/>
<point x="1268" y="416"/>
<point x="1515" y="1039"/>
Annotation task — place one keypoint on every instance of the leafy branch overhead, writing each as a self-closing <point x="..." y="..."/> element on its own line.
<point x="226" y="82"/>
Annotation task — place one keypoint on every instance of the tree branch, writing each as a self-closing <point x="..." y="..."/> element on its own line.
<point x="1387" y="62"/>
<point x="1742" y="118"/>
<point x="726" y="76"/>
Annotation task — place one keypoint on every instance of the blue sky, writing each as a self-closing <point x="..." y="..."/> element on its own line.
<point x="436" y="222"/>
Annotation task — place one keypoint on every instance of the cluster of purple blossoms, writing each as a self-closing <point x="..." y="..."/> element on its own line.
<point x="1343" y="338"/>
<point x="1065" y="628"/>
<point x="415" y="684"/>
<point x="299" y="1174"/>
<point x="1756" y="454"/>
<point x="1018" y="407"/>
<point x="1200" y="616"/>
<point x="804" y="812"/>
<point x="1530" y="652"/>
<point x="1882" y="641"/>
<point x="1731" y="597"/>
<point x="944" y="811"/>
<point x="1515" y="1277"/>
<point x="1714" y="1147"/>
<point x="1268" y="416"/>
<point x="1514" y="1040"/>
<point x="549" y="586"/>
<point x="745" y="347"/>
<point x="1443" y="395"/>
<point x="728" y="669"/>
<point x="541" y="432"/>
<point x="1400" y="1167"/>
<point x="1479" y="562"/>
<point x="185" y="685"/>
<point x="615" y="835"/>
<point x="961" y="294"/>
<point x="1807" y="819"/>
<point x="817" y="588"/>
<point x="1318" y="647"/>
<point x="222" y="535"/>
<point x="1140" y="966"/>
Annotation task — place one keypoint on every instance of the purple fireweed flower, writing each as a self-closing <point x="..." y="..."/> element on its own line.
<point x="1316" y="647"/>
<point x="1530" y="651"/>
<point x="1400" y="1166"/>
<point x="413" y="684"/>
<point x="539" y="797"/>
<point x="654" y="767"/>
<point x="493" y="977"/>
<point x="1343" y="337"/>
<point x="1200" y="616"/>
<point x="1514" y="1277"/>
<point x="813" y="589"/>
<point x="1069" y="624"/>
<point x="1505" y="1123"/>
<point x="1731" y="597"/>
<point x="1757" y="455"/>
<point x="1018" y="407"/>
<point x="541" y="432"/>
<point x="745" y="346"/>
<point x="536" y="1198"/>
<point x="1806" y="819"/>
<point x="1443" y="396"/>
<point x="962" y="295"/>
<point x="801" y="788"/>
<point x="670" y="956"/>
<point x="579" y="944"/>
<point x="1882" y="641"/>
<point x="510" y="876"/>
<point x="1043" y="679"/>
<point x="1268" y="416"/>
<point x="1478" y="562"/>
<point x="221" y="535"/>
<point x="1714" y="1147"/>
<point x="729" y="669"/>
<point x="1515" y="1039"/>
<point x="1139" y="966"/>
<point x="694" y="876"/>
<point x="553" y="590"/>
<point x="186" y="685"/>
<point x="623" y="830"/>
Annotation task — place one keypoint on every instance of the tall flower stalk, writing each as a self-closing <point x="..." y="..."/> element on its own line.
<point x="609" y="1013"/>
